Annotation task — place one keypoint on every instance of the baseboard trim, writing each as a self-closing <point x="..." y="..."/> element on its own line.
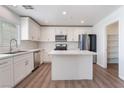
<point x="101" y="65"/>
<point x="121" y="77"/>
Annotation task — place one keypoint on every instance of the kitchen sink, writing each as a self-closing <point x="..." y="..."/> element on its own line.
<point x="15" y="52"/>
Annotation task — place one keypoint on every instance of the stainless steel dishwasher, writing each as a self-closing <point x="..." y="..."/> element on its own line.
<point x="36" y="59"/>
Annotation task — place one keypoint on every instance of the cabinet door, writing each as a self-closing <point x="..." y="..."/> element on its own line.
<point x="33" y="29"/>
<point x="0" y="33"/>
<point x="23" y="65"/>
<point x="30" y="29"/>
<point x="29" y="64"/>
<point x="47" y="34"/>
<point x="78" y="30"/>
<point x="19" y="70"/>
<point x="6" y="73"/>
<point x="24" y="29"/>
<point x="61" y="30"/>
<point x="51" y="31"/>
<point x="36" y="31"/>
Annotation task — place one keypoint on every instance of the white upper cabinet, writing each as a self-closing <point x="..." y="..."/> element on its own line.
<point x="73" y="32"/>
<point x="61" y="31"/>
<point x="81" y="30"/>
<point x="30" y="30"/>
<point x="35" y="31"/>
<point x="47" y="34"/>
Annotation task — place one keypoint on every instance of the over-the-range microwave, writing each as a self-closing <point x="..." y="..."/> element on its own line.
<point x="61" y="38"/>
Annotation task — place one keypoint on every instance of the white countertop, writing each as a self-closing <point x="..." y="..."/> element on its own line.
<point x="3" y="56"/>
<point x="72" y="52"/>
<point x="31" y="50"/>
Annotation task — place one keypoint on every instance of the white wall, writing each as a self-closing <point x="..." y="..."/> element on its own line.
<point x="7" y="15"/>
<point x="112" y="28"/>
<point x="100" y="29"/>
<point x="28" y="45"/>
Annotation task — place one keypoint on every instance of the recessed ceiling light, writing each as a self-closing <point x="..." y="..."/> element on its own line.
<point x="64" y="12"/>
<point x="82" y="21"/>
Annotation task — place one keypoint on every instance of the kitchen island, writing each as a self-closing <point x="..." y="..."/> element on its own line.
<point x="72" y="65"/>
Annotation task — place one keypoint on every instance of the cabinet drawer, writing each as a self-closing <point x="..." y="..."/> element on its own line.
<point x="19" y="71"/>
<point x="16" y="58"/>
<point x="5" y="62"/>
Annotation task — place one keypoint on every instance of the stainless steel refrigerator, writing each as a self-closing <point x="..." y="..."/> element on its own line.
<point x="87" y="42"/>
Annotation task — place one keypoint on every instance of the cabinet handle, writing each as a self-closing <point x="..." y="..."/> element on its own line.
<point x="3" y="63"/>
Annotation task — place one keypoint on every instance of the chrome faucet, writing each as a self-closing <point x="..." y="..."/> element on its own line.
<point x="11" y="44"/>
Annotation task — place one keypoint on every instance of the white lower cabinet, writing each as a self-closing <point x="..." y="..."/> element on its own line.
<point x="23" y="66"/>
<point x="14" y="69"/>
<point x="29" y="64"/>
<point x="6" y="73"/>
<point x="19" y="70"/>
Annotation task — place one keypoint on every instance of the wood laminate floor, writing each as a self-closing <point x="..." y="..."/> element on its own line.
<point x="103" y="78"/>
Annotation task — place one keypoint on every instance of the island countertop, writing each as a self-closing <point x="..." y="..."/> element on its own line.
<point x="72" y="52"/>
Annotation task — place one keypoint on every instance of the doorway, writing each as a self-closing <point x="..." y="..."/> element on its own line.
<point x="112" y="48"/>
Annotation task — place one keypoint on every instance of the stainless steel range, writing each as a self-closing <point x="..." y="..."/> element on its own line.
<point x="61" y="47"/>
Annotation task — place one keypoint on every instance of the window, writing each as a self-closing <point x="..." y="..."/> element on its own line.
<point x="8" y="31"/>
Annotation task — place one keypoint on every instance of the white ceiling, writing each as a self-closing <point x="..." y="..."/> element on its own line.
<point x="52" y="14"/>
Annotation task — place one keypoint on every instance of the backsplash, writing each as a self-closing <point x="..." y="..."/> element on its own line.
<point x="24" y="45"/>
<point x="28" y="45"/>
<point x="44" y="45"/>
<point x="51" y="45"/>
